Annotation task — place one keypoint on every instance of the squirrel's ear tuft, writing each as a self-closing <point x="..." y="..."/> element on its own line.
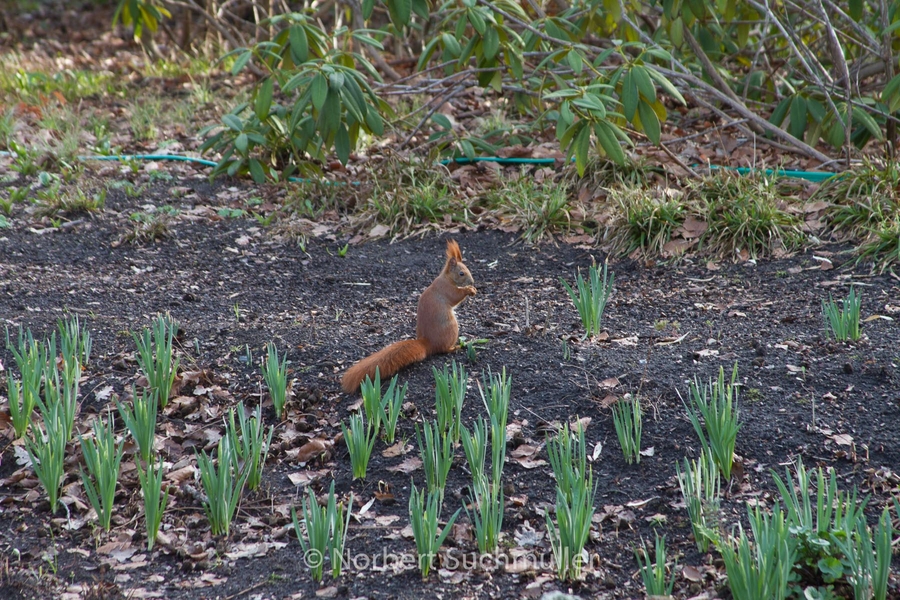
<point x="453" y="250"/>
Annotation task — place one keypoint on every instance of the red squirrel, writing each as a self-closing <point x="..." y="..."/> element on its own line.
<point x="436" y="328"/>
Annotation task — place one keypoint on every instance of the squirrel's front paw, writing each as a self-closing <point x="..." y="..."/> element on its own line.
<point x="470" y="290"/>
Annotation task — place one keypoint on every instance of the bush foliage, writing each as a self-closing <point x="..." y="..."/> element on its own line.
<point x="604" y="73"/>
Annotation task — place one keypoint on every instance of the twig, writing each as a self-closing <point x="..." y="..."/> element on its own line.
<point x="678" y="160"/>
<point x="837" y="55"/>
<point x="708" y="66"/>
<point x="888" y="58"/>
<point x="528" y="26"/>
<point x="226" y="32"/>
<point x="437" y="105"/>
<point x="684" y="138"/>
<point x="697" y="83"/>
<point x="745" y="112"/>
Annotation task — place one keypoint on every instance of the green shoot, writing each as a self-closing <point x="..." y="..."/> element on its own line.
<point x="653" y="574"/>
<point x="423" y="517"/>
<point x="103" y="457"/>
<point x="154" y="505"/>
<point x="371" y="397"/>
<point x="47" y="451"/>
<point x="567" y="452"/>
<point x="590" y="298"/>
<point x="763" y="569"/>
<point x="474" y="445"/>
<point x="19" y="409"/>
<point x="155" y="356"/>
<point x="717" y="404"/>
<point x="436" y="449"/>
<point x="140" y="419"/>
<point x="391" y="407"/>
<point x="275" y="374"/>
<point x="222" y="485"/>
<point x="450" y="392"/>
<point x="843" y="324"/>
<point x="487" y="513"/>
<point x="325" y="534"/>
<point x="569" y="534"/>
<point x="496" y="400"/>
<point x="700" y="487"/>
<point x="627" y="421"/>
<point x="252" y="447"/>
<point x="360" y="441"/>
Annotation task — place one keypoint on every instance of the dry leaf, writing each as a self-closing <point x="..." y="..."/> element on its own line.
<point x="407" y="466"/>
<point x="691" y="573"/>
<point x="843" y="439"/>
<point x="312" y="450"/>
<point x="397" y="449"/>
<point x="530" y="463"/>
<point x="668" y="341"/>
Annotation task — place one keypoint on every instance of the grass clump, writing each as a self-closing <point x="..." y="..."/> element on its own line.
<point x="590" y="298"/>
<point x="407" y="197"/>
<point x="70" y="202"/>
<point x="149" y="226"/>
<point x="861" y="200"/>
<point x="538" y="209"/>
<point x="746" y="216"/>
<point x="882" y="246"/>
<point x="843" y="324"/>
<point x="646" y="223"/>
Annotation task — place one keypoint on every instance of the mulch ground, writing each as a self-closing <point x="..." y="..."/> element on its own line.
<point x="232" y="287"/>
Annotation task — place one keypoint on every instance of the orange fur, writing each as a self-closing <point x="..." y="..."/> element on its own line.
<point x="387" y="360"/>
<point x="436" y="328"/>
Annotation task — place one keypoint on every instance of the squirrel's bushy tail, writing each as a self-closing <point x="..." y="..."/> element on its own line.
<point x="389" y="360"/>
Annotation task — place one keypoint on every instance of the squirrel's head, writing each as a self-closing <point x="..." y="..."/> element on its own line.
<point x="458" y="272"/>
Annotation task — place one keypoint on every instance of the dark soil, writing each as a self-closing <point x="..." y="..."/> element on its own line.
<point x="232" y="287"/>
